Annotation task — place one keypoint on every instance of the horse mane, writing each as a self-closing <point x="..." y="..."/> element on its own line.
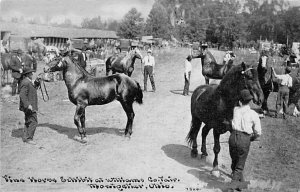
<point x="209" y="54"/>
<point x="85" y="73"/>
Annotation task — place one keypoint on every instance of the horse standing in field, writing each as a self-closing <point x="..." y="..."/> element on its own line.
<point x="270" y="84"/>
<point x="210" y="68"/>
<point x="213" y="104"/>
<point x="123" y="64"/>
<point x="85" y="90"/>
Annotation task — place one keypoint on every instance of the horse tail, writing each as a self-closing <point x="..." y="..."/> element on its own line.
<point x="139" y="95"/>
<point x="195" y="127"/>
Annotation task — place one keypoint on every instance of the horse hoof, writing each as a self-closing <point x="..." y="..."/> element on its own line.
<point x="204" y="155"/>
<point x="216" y="173"/>
<point x="194" y="153"/>
<point x="84" y="140"/>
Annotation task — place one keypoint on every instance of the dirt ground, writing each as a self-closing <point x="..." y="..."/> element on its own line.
<point x="155" y="158"/>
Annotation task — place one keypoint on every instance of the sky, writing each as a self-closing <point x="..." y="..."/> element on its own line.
<point x="58" y="10"/>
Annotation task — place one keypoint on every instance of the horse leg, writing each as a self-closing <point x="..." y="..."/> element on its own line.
<point x="205" y="131"/>
<point x="80" y="111"/>
<point x="216" y="149"/>
<point x="264" y="106"/>
<point x="195" y="127"/>
<point x="127" y="106"/>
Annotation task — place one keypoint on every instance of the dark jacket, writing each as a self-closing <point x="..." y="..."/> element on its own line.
<point x="81" y="60"/>
<point x="28" y="95"/>
<point x="15" y="66"/>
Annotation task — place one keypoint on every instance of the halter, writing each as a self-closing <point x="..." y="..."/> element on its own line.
<point x="243" y="72"/>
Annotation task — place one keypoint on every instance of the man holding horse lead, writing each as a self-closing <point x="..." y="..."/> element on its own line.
<point x="283" y="91"/>
<point x="149" y="63"/>
<point x="29" y="104"/>
<point x="82" y="57"/>
<point x="246" y="127"/>
<point x="17" y="70"/>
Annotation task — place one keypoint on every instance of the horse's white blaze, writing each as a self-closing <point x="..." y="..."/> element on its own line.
<point x="264" y="61"/>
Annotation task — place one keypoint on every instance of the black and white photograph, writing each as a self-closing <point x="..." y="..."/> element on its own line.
<point x="150" y="95"/>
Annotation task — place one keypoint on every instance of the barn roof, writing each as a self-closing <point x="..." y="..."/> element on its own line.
<point x="33" y="30"/>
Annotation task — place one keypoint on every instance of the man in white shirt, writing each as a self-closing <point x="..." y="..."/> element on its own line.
<point x="246" y="127"/>
<point x="283" y="91"/>
<point x="149" y="64"/>
<point x="187" y="75"/>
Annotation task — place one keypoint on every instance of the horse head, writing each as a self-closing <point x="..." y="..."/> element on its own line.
<point x="242" y="77"/>
<point x="136" y="53"/>
<point x="55" y="65"/>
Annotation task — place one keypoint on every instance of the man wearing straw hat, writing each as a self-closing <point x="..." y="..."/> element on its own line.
<point x="17" y="69"/>
<point x="149" y="64"/>
<point x="29" y="104"/>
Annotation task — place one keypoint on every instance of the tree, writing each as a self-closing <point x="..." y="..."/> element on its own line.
<point x="132" y="25"/>
<point x="94" y="23"/>
<point x="158" y="23"/>
<point x="112" y="25"/>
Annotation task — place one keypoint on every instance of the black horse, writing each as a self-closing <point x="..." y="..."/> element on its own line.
<point x="85" y="90"/>
<point x="210" y="68"/>
<point x="123" y="64"/>
<point x="270" y="84"/>
<point x="213" y="104"/>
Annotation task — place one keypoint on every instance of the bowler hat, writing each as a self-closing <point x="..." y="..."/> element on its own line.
<point x="27" y="70"/>
<point x="149" y="51"/>
<point x="288" y="69"/>
<point x="245" y="95"/>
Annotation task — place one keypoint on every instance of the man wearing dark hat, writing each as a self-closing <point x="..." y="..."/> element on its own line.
<point x="283" y="91"/>
<point x="17" y="69"/>
<point x="82" y="58"/>
<point x="187" y="75"/>
<point x="29" y="104"/>
<point x="246" y="127"/>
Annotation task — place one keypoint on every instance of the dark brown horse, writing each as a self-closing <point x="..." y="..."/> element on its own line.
<point x="123" y="64"/>
<point x="85" y="90"/>
<point x="212" y="104"/>
<point x="210" y="68"/>
<point x="28" y="60"/>
<point x="270" y="84"/>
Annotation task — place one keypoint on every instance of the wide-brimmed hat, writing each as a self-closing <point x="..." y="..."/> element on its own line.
<point x="246" y="95"/>
<point x="27" y="70"/>
<point x="149" y="51"/>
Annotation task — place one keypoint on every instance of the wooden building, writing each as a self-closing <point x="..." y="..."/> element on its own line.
<point x="54" y="36"/>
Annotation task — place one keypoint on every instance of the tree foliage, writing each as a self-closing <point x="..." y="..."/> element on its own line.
<point x="94" y="23"/>
<point x="132" y="25"/>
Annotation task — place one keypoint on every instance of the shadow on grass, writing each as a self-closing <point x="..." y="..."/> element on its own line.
<point x="72" y="132"/>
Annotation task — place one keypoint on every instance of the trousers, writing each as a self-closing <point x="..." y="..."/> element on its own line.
<point x="148" y="71"/>
<point x="239" y="145"/>
<point x="186" y="83"/>
<point x="31" y="123"/>
<point x="282" y="99"/>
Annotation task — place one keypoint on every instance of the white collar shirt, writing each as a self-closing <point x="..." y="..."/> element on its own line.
<point x="246" y="120"/>
<point x="187" y="66"/>
<point x="149" y="60"/>
<point x="286" y="79"/>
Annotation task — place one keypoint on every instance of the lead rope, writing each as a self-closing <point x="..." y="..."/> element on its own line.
<point x="46" y="96"/>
